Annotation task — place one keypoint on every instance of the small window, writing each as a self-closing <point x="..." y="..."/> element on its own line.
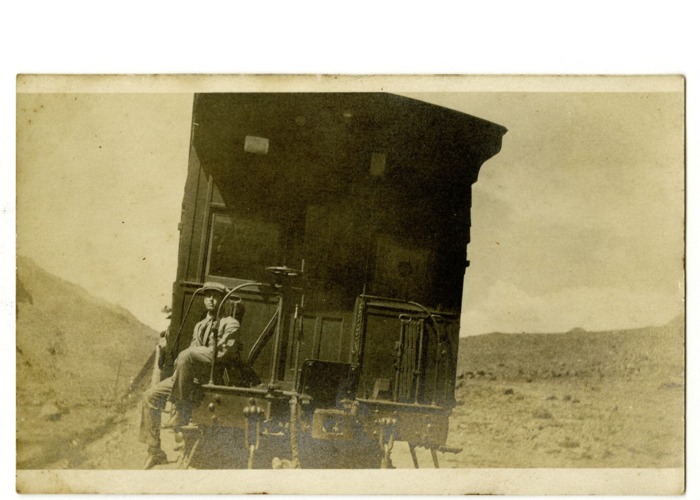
<point x="242" y="247"/>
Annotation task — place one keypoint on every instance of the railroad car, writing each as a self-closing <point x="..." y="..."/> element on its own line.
<point x="340" y="222"/>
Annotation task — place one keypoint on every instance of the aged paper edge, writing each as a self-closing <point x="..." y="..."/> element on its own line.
<point x="347" y="83"/>
<point x="361" y="482"/>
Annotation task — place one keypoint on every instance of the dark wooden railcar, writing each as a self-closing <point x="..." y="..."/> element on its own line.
<point x="341" y="221"/>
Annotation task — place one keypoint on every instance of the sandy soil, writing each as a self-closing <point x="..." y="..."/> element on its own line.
<point x="568" y="423"/>
<point x="564" y="422"/>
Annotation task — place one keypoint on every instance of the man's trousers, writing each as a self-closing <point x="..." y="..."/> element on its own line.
<point x="192" y="363"/>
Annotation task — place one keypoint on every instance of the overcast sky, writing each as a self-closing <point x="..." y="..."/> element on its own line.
<point x="577" y="222"/>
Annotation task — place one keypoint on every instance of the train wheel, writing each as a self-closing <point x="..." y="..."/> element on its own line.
<point x="358" y="453"/>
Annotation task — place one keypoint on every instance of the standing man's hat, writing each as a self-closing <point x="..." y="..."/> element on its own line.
<point x="217" y="287"/>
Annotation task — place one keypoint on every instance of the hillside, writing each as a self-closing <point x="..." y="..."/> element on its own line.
<point x="76" y="356"/>
<point x="577" y="399"/>
<point x="657" y="351"/>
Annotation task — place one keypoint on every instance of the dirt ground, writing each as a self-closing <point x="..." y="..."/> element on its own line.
<point x="568" y="423"/>
<point x="564" y="422"/>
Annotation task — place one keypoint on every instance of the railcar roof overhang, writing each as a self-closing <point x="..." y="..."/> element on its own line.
<point x="332" y="137"/>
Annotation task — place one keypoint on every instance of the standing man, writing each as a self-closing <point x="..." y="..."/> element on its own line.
<point x="192" y="363"/>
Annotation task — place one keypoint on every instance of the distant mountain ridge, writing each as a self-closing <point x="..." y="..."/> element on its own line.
<point x="75" y="357"/>
<point x="578" y="352"/>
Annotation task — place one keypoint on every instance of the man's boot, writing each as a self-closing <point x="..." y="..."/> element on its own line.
<point x="155" y="457"/>
<point x="179" y="417"/>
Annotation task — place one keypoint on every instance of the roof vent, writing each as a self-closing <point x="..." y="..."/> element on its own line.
<point x="256" y="145"/>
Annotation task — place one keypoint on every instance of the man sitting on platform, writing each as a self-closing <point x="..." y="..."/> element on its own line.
<point x="193" y="363"/>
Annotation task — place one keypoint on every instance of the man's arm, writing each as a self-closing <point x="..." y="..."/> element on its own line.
<point x="228" y="345"/>
<point x="195" y="335"/>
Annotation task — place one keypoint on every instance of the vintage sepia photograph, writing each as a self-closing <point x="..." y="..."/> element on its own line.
<point x="465" y="284"/>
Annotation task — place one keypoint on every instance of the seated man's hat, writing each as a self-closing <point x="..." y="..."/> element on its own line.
<point x="217" y="287"/>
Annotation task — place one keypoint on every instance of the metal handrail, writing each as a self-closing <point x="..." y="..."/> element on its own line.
<point x="215" y="327"/>
<point x="182" y="321"/>
<point x="438" y="344"/>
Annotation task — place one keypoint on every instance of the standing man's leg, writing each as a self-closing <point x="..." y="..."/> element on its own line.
<point x="153" y="403"/>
